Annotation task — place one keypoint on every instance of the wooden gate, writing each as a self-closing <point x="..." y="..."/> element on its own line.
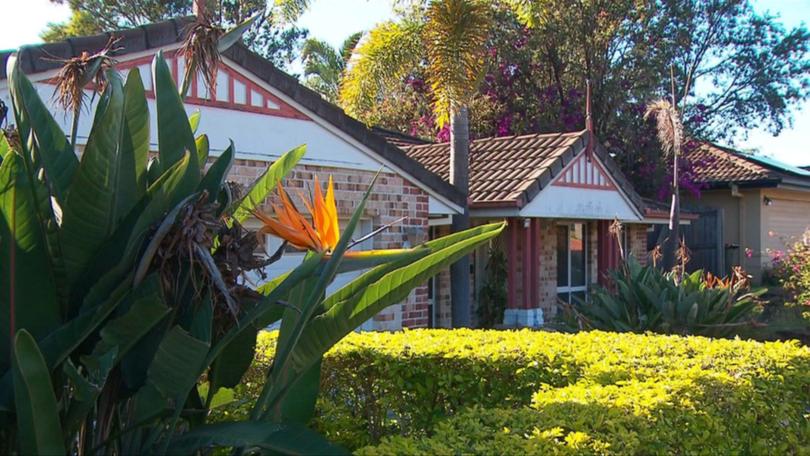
<point x="704" y="238"/>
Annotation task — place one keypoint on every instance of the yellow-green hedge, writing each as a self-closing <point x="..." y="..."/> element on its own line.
<point x="542" y="392"/>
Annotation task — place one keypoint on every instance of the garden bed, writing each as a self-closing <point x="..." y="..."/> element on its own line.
<point x="460" y="391"/>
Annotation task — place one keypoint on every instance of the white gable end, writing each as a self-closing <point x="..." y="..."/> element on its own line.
<point x="583" y="190"/>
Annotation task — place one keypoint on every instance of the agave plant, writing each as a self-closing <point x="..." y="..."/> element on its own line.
<point x="122" y="312"/>
<point x="643" y="298"/>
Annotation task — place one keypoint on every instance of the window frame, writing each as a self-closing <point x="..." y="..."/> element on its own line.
<point x="569" y="290"/>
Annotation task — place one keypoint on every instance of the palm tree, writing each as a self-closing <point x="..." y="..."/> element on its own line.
<point x="324" y="65"/>
<point x="448" y="45"/>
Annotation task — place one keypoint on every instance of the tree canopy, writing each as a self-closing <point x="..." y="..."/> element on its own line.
<point x="745" y="69"/>
<point x="275" y="37"/>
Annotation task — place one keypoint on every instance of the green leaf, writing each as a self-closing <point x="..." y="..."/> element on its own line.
<point x="267" y="182"/>
<point x="23" y="256"/>
<point x="37" y="413"/>
<point x="215" y="177"/>
<point x="33" y="117"/>
<point x="344" y="316"/>
<point x="174" y="132"/>
<point x="234" y="35"/>
<point x="147" y="309"/>
<point x="177" y="363"/>
<point x="365" y="259"/>
<point x="286" y="439"/>
<point x="230" y="366"/>
<point x="194" y="121"/>
<point x="298" y="405"/>
<point x="203" y="148"/>
<point x="103" y="189"/>
<point x="136" y="135"/>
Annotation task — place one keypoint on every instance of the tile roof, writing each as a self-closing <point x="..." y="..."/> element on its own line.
<point x="509" y="171"/>
<point x="398" y="139"/>
<point x="44" y="57"/>
<point x="719" y="166"/>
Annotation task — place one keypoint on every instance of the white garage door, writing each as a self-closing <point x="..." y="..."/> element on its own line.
<point x="788" y="220"/>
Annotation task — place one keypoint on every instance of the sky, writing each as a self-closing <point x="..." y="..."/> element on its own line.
<point x="334" y="20"/>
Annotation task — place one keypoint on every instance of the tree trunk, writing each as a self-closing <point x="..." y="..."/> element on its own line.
<point x="672" y="242"/>
<point x="461" y="311"/>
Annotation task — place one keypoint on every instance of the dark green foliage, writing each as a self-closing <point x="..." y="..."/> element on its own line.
<point x="643" y="298"/>
<point x="492" y="296"/>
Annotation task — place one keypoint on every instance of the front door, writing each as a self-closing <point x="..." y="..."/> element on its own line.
<point x="572" y="261"/>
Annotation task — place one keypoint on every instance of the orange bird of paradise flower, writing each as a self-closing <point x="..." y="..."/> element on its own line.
<point x="289" y="224"/>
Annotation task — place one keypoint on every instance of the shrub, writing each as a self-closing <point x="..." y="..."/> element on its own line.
<point x="454" y="392"/>
<point x="791" y="270"/>
<point x="643" y="298"/>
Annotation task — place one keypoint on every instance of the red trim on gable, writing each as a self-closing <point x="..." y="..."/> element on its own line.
<point x="194" y="97"/>
<point x="584" y="178"/>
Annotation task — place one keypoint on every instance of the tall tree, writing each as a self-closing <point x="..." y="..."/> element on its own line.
<point x="748" y="70"/>
<point x="275" y="36"/>
<point x="447" y="44"/>
<point x="324" y="65"/>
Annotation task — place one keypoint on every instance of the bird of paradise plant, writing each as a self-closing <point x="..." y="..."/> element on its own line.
<point x="320" y="236"/>
<point x="141" y="321"/>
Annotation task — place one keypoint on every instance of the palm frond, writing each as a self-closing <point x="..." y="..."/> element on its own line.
<point x="668" y="125"/>
<point x="290" y="10"/>
<point x="455" y="35"/>
<point x="379" y="63"/>
<point x="347" y="48"/>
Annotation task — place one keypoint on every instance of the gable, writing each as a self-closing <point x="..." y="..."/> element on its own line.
<point x="233" y="90"/>
<point x="582" y="190"/>
<point x="585" y="172"/>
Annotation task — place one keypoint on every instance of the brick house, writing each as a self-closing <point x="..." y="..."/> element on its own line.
<point x="266" y="113"/>
<point x="559" y="192"/>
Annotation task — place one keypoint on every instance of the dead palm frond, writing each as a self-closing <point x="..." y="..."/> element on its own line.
<point x="668" y="125"/>
<point x="200" y="49"/>
<point x="79" y="72"/>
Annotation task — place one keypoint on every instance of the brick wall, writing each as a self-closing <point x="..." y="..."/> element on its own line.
<point x="393" y="197"/>
<point x="637" y="241"/>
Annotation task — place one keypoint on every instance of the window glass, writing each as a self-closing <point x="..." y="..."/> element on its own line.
<point x="576" y="243"/>
<point x="562" y="256"/>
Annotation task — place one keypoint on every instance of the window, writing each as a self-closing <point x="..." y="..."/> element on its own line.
<point x="572" y="263"/>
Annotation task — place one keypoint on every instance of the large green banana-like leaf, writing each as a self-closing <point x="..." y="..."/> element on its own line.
<point x="327" y="329"/>
<point x="229" y="368"/>
<point x="33" y="118"/>
<point x="147" y="309"/>
<point x="267" y="182"/>
<point x="28" y="297"/>
<point x="103" y="189"/>
<point x="282" y="439"/>
<point x="177" y="363"/>
<point x="364" y="259"/>
<point x="174" y="132"/>
<point x="215" y="176"/>
<point x="40" y="431"/>
<point x="136" y="136"/>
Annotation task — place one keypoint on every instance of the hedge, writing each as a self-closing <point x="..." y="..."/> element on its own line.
<point x="460" y="391"/>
